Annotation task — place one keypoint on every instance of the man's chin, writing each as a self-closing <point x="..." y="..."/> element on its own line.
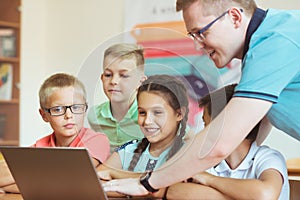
<point x="220" y="65"/>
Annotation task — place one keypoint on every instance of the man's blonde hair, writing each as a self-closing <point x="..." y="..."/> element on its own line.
<point x="127" y="51"/>
<point x="217" y="7"/>
<point x="57" y="81"/>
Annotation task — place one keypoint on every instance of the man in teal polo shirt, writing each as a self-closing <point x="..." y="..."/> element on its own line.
<point x="268" y="43"/>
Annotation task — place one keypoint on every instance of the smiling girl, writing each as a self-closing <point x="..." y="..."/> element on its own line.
<point x="162" y="117"/>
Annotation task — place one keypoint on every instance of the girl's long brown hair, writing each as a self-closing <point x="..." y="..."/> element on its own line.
<point x="174" y="92"/>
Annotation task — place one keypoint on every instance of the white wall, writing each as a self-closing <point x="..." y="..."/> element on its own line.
<point x="279" y="4"/>
<point x="59" y="36"/>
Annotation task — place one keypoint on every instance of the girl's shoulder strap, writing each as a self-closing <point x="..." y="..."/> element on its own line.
<point x="125" y="144"/>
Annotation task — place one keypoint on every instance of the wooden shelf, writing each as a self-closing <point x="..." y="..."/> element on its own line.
<point x="5" y="24"/>
<point x="9" y="143"/>
<point x="9" y="59"/>
<point x="12" y="101"/>
<point x="10" y="18"/>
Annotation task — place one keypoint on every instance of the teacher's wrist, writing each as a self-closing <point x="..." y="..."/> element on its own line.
<point x="144" y="181"/>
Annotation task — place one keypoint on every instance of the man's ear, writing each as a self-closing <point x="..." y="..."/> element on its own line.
<point x="43" y="115"/>
<point x="236" y="16"/>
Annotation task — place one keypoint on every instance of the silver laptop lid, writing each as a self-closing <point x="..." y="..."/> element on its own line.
<point x="53" y="173"/>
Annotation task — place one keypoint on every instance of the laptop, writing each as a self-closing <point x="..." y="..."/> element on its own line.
<point x="54" y="173"/>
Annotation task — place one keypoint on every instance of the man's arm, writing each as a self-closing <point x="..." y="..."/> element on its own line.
<point x="208" y="148"/>
<point x="214" y="143"/>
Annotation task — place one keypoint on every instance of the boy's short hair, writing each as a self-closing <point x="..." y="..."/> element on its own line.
<point x="127" y="51"/>
<point x="58" y="81"/>
<point x="219" y="98"/>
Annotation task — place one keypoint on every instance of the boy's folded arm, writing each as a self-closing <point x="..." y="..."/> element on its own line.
<point x="13" y="188"/>
<point x="5" y="176"/>
<point x="95" y="162"/>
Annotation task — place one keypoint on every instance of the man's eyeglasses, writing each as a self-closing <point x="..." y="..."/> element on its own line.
<point x="199" y="36"/>
<point x="61" y="110"/>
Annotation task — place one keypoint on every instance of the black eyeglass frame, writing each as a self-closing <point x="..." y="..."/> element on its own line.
<point x="71" y="107"/>
<point x="199" y="33"/>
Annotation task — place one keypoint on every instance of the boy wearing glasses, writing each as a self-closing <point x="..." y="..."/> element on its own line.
<point x="123" y="72"/>
<point x="63" y="105"/>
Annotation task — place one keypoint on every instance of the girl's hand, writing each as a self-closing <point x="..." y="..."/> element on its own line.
<point x="104" y="175"/>
<point x="2" y="191"/>
<point x="129" y="186"/>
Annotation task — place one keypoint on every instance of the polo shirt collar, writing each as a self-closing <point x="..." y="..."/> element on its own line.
<point x="246" y="163"/>
<point x="255" y="21"/>
<point x="106" y="111"/>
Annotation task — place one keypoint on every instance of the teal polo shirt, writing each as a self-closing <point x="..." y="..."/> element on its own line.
<point x="271" y="69"/>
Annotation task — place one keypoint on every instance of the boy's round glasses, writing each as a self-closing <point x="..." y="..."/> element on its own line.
<point x="199" y="36"/>
<point x="61" y="110"/>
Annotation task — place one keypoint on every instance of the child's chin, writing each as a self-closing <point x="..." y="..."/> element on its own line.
<point x="70" y="133"/>
<point x="151" y="137"/>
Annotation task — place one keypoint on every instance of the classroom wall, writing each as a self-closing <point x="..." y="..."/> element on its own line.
<point x="59" y="35"/>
